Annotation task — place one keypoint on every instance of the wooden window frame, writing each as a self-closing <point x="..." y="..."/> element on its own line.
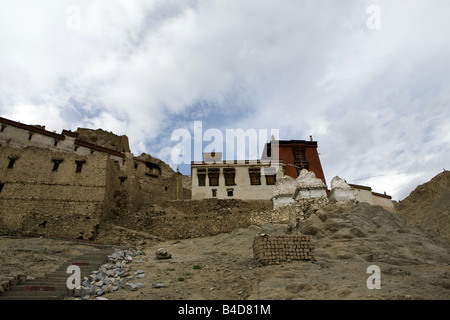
<point x="255" y="173"/>
<point x="271" y="176"/>
<point x="213" y="175"/>
<point x="229" y="174"/>
<point x="201" y="179"/>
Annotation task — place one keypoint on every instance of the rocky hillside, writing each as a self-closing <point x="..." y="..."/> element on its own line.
<point x="428" y="206"/>
<point x="368" y="233"/>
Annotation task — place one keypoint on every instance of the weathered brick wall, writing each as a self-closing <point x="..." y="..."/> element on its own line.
<point x="184" y="226"/>
<point x="193" y="218"/>
<point x="37" y="200"/>
<point x="273" y="249"/>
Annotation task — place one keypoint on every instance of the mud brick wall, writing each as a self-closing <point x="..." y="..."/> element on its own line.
<point x="38" y="200"/>
<point x="195" y="218"/>
<point x="273" y="249"/>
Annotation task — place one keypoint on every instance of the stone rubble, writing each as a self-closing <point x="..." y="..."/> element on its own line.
<point x="111" y="276"/>
<point x="6" y="282"/>
<point x="162" y="253"/>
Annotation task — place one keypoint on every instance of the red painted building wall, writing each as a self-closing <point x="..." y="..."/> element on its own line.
<point x="296" y="155"/>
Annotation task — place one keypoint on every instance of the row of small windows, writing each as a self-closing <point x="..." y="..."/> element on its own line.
<point x="150" y="170"/>
<point x="56" y="163"/>
<point x="229" y="175"/>
<point x="229" y="192"/>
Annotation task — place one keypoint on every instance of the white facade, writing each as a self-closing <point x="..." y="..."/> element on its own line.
<point x="224" y="180"/>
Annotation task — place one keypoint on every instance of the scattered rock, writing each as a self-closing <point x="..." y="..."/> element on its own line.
<point x="110" y="276"/>
<point x="162" y="253"/>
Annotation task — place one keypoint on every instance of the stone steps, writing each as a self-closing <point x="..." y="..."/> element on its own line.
<point x="52" y="286"/>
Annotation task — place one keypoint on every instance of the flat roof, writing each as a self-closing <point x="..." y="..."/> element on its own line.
<point x="61" y="136"/>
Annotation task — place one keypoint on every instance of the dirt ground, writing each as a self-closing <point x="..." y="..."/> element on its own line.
<point x="222" y="267"/>
<point x="227" y="270"/>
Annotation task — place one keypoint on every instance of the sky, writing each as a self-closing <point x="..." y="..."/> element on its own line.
<point x="369" y="80"/>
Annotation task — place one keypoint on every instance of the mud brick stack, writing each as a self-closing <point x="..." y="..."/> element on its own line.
<point x="273" y="249"/>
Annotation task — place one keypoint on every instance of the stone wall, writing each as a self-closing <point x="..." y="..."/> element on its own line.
<point x="41" y="192"/>
<point x="273" y="249"/>
<point x="39" y="199"/>
<point x="297" y="211"/>
<point x="194" y="218"/>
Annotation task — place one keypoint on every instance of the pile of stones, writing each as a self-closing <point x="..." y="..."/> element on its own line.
<point x="112" y="276"/>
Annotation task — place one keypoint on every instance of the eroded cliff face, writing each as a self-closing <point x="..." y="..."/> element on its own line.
<point x="428" y="206"/>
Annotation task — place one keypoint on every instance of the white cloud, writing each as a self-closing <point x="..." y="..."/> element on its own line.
<point x="376" y="100"/>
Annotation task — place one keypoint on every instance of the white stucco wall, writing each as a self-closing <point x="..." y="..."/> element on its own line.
<point x="311" y="193"/>
<point x="242" y="188"/>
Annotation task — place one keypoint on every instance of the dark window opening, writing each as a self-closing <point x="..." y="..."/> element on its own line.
<point x="75" y="148"/>
<point x="271" y="180"/>
<point x="255" y="180"/>
<point x="300" y="161"/>
<point x="56" y="142"/>
<point x="3" y="128"/>
<point x="122" y="181"/>
<point x="80" y="164"/>
<point x="255" y="176"/>
<point x="11" y="163"/>
<point x="229" y="192"/>
<point x="1" y="186"/>
<point x="30" y="136"/>
<point x="135" y="165"/>
<point x="201" y="175"/>
<point x="229" y="174"/>
<point x="214" y="193"/>
<point x="152" y="169"/>
<point x="213" y="175"/>
<point x="229" y="181"/>
<point x="201" y="180"/>
<point x="166" y="188"/>
<point x="56" y="164"/>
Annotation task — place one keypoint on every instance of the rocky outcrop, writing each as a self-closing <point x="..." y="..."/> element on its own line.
<point x="428" y="206"/>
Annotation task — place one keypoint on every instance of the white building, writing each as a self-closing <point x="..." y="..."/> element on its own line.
<point x="235" y="179"/>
